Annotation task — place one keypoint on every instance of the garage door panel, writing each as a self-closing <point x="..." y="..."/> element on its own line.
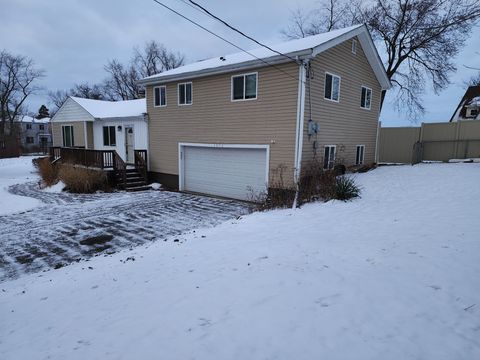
<point x="229" y="172"/>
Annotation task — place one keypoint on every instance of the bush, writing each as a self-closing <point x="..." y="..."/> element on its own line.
<point x="47" y="171"/>
<point x="345" y="188"/>
<point x="83" y="180"/>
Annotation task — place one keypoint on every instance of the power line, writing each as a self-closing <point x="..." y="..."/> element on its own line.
<point x="226" y="40"/>
<point x="238" y="31"/>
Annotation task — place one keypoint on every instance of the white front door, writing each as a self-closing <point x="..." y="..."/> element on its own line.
<point x="129" y="145"/>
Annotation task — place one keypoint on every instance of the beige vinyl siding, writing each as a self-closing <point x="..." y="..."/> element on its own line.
<point x="344" y="123"/>
<point x="78" y="133"/>
<point x="214" y="118"/>
<point x="89" y="125"/>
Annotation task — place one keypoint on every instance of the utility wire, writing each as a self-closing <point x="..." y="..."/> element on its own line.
<point x="226" y="40"/>
<point x="238" y="31"/>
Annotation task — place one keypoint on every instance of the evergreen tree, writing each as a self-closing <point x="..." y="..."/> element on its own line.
<point x="43" y="112"/>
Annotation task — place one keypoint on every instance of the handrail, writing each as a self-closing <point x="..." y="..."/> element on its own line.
<point x="102" y="159"/>
<point x="120" y="166"/>
<point x="141" y="163"/>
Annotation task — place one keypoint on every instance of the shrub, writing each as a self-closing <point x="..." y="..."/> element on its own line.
<point x="345" y="188"/>
<point x="47" y="171"/>
<point x="83" y="180"/>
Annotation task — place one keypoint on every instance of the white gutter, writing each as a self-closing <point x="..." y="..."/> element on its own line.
<point x="299" y="128"/>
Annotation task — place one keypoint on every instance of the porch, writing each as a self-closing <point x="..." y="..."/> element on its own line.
<point x="125" y="176"/>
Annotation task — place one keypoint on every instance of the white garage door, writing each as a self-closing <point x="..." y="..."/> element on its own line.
<point x="230" y="172"/>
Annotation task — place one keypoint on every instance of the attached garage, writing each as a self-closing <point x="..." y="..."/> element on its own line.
<point x="233" y="171"/>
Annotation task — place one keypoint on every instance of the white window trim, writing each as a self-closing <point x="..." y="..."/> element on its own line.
<point x="244" y="87"/>
<point x="354" y="46"/>
<point x="334" y="157"/>
<point x="339" y="86"/>
<point x="371" y="97"/>
<point x="178" y="93"/>
<point x="103" y="140"/>
<point x="159" y="87"/>
<point x="362" y="160"/>
<point x="181" y="160"/>
<point x="63" y="137"/>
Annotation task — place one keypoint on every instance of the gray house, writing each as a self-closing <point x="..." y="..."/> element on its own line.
<point x="35" y="134"/>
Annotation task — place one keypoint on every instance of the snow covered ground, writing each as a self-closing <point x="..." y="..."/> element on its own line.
<point x="15" y="171"/>
<point x="393" y="275"/>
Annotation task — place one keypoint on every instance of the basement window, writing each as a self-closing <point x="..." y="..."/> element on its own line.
<point x="360" y="155"/>
<point x="67" y="134"/>
<point x="332" y="87"/>
<point x="329" y="157"/>
<point x="160" y="96"/>
<point x="109" y="136"/>
<point x="185" y="94"/>
<point x="366" y="100"/>
<point x="244" y="87"/>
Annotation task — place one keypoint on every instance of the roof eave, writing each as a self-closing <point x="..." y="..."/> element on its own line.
<point x="273" y="60"/>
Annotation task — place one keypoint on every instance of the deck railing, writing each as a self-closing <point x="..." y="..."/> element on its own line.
<point x="141" y="162"/>
<point x="102" y="159"/>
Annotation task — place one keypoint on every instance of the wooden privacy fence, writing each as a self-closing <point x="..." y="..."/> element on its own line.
<point x="429" y="142"/>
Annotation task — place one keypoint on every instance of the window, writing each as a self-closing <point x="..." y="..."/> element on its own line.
<point x="41" y="127"/>
<point x="329" y="157"/>
<point x="473" y="112"/>
<point x="332" y="87"/>
<point x="29" y="140"/>
<point x="2" y="144"/>
<point x="244" y="87"/>
<point x="109" y="136"/>
<point x="366" y="100"/>
<point x="354" y="46"/>
<point x="185" y="94"/>
<point x="360" y="155"/>
<point x="29" y="126"/>
<point x="67" y="132"/>
<point x="160" y="96"/>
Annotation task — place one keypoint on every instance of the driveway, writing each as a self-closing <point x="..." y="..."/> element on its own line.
<point x="73" y="227"/>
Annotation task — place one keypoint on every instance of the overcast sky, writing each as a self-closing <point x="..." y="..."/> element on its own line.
<point x="73" y="39"/>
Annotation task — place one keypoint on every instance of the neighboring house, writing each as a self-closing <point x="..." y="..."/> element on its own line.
<point x="469" y="106"/>
<point x="35" y="134"/>
<point x="233" y="125"/>
<point x="102" y="125"/>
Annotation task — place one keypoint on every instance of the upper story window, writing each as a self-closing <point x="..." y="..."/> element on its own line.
<point x="244" y="87"/>
<point x="332" y="87"/>
<point x="366" y="100"/>
<point x="109" y="136"/>
<point x="67" y="134"/>
<point x="41" y="127"/>
<point x="185" y="93"/>
<point x="354" y="46"/>
<point x="29" y="126"/>
<point x="160" y="96"/>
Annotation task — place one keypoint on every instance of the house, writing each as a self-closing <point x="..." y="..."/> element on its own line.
<point x="35" y="134"/>
<point x="469" y="106"/>
<point x="235" y="125"/>
<point x="119" y="126"/>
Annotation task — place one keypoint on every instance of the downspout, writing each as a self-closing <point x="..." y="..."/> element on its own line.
<point x="299" y="129"/>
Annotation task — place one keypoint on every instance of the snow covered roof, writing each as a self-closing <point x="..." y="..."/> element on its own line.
<point x="112" y="109"/>
<point x="470" y="99"/>
<point x="301" y="48"/>
<point x="30" y="119"/>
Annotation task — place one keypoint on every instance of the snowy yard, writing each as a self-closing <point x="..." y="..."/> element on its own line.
<point x="393" y="275"/>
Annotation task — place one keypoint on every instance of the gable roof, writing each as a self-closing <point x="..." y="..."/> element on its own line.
<point x="298" y="48"/>
<point x="112" y="109"/>
<point x="472" y="94"/>
<point x="30" y="119"/>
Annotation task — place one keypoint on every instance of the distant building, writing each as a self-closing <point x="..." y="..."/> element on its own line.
<point x="469" y="106"/>
<point x="35" y="134"/>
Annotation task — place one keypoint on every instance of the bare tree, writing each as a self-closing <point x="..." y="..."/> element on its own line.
<point x="420" y="39"/>
<point x="328" y="16"/>
<point x="473" y="81"/>
<point x="18" y="75"/>
<point x="152" y="59"/>
<point x="83" y="90"/>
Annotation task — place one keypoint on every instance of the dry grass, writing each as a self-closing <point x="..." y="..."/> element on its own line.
<point x="48" y="171"/>
<point x="83" y="180"/>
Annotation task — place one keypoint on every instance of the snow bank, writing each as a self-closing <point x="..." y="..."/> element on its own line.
<point x="15" y="171"/>
<point x="57" y="188"/>
<point x="393" y="275"/>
